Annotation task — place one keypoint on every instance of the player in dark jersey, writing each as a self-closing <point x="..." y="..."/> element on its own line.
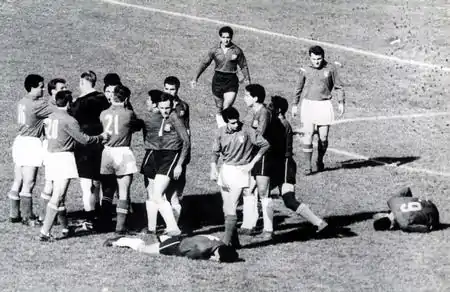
<point x="27" y="149"/>
<point x="86" y="110"/>
<point x="408" y="213"/>
<point x="117" y="159"/>
<point x="63" y="133"/>
<point x="198" y="247"/>
<point x="225" y="84"/>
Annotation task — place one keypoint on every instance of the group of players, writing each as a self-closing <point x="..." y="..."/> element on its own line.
<point x="88" y="137"/>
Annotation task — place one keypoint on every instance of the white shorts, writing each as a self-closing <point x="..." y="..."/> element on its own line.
<point x="118" y="161"/>
<point x="232" y="176"/>
<point x="316" y="113"/>
<point x="60" y="165"/>
<point x="27" y="151"/>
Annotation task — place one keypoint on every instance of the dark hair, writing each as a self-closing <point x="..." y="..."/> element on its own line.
<point x="382" y="224"/>
<point x="121" y="93"/>
<point x="230" y="113"/>
<point x="32" y="81"/>
<point x="155" y="95"/>
<point x="227" y="254"/>
<point x="257" y="91"/>
<point x="279" y="104"/>
<point x="63" y="98"/>
<point x="111" y="79"/>
<point x="226" y="29"/>
<point x="89" y="76"/>
<point x="165" y="97"/>
<point x="52" y="84"/>
<point x="172" y="80"/>
<point x="316" y="50"/>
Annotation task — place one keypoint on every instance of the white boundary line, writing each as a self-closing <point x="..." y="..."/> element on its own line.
<point x="379" y="118"/>
<point x="305" y="40"/>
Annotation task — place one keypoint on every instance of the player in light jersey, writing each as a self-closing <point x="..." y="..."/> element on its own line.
<point x="408" y="213"/>
<point x="62" y="135"/>
<point x="117" y="158"/>
<point x="235" y="142"/>
<point x="198" y="247"/>
<point x="225" y="84"/>
<point x="27" y="150"/>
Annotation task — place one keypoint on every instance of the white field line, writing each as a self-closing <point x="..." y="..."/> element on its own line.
<point x="379" y="118"/>
<point x="304" y="40"/>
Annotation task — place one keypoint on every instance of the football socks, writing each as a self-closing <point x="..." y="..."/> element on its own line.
<point x="267" y="210"/>
<point x="26" y="203"/>
<point x="14" y="211"/>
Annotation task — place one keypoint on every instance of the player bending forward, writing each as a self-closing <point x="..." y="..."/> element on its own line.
<point x="408" y="213"/>
<point x="198" y="247"/>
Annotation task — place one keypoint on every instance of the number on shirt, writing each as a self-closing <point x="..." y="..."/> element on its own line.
<point x="21" y="117"/>
<point x="52" y="129"/>
<point x="112" y="124"/>
<point x="410" y="207"/>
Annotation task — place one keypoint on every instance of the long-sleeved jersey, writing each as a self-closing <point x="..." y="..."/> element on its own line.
<point x="317" y="83"/>
<point x="86" y="110"/>
<point x="120" y="122"/>
<point x="30" y="116"/>
<point x="197" y="247"/>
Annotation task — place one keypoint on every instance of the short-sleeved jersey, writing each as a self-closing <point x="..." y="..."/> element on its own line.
<point x="317" y="83"/>
<point x="86" y="110"/>
<point x="182" y="109"/>
<point x="173" y="135"/>
<point x="63" y="132"/>
<point x="30" y="116"/>
<point x="260" y="120"/>
<point x="151" y="124"/>
<point x="413" y="214"/>
<point x="120" y="123"/>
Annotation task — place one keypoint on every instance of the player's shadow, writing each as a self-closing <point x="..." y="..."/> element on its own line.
<point x="372" y="162"/>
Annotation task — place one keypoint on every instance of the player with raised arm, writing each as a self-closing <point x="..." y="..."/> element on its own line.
<point x="314" y="86"/>
<point x="225" y="84"/>
<point x="235" y="143"/>
<point x="27" y="149"/>
<point x="62" y="135"/>
<point x="408" y="213"/>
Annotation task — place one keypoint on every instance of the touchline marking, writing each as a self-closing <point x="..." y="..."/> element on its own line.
<point x="379" y="118"/>
<point x="305" y="40"/>
<point x="408" y="168"/>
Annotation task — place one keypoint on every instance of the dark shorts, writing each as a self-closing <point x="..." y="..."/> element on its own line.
<point x="283" y="172"/>
<point x="170" y="246"/>
<point x="159" y="162"/>
<point x="263" y="166"/>
<point x="88" y="159"/>
<point x="222" y="83"/>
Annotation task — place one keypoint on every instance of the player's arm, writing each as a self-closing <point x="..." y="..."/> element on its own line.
<point x="300" y="84"/>
<point x="43" y="110"/>
<point x="258" y="140"/>
<point x="264" y="122"/>
<point x="206" y="61"/>
<point x="136" y="124"/>
<point x="338" y="88"/>
<point x="416" y="228"/>
<point x="74" y="130"/>
<point x="183" y="134"/>
<point x="242" y="62"/>
<point x="216" y="151"/>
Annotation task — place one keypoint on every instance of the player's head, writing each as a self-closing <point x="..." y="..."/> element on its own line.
<point x="433" y="218"/>
<point x="226" y="254"/>
<point x="279" y="105"/>
<point x="63" y="98"/>
<point x="382" y="223"/>
<point x="230" y="116"/>
<point x="226" y="35"/>
<point x="165" y="104"/>
<point x="171" y="85"/>
<point x="34" y="85"/>
<point x="109" y="92"/>
<point x="121" y="94"/>
<point x="111" y="79"/>
<point x="88" y="80"/>
<point x="254" y="93"/>
<point x="56" y="85"/>
<point x="154" y="96"/>
<point x="316" y="56"/>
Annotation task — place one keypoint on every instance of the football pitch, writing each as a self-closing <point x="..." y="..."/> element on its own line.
<point x="393" y="58"/>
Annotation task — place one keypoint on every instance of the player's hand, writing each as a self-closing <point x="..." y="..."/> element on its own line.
<point x="294" y="111"/>
<point x="214" y="174"/>
<point x="341" y="109"/>
<point x="247" y="167"/>
<point x="105" y="137"/>
<point x="177" y="171"/>
<point x="193" y="83"/>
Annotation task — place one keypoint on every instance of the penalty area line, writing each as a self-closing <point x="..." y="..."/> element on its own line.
<point x="285" y="36"/>
<point x="393" y="117"/>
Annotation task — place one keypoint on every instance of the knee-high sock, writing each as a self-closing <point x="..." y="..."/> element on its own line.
<point x="176" y="206"/>
<point x="304" y="211"/>
<point x="122" y="212"/>
<point x="230" y="229"/>
<point x="106" y="209"/>
<point x="267" y="210"/>
<point x="321" y="150"/>
<point x="166" y="212"/>
<point x="62" y="217"/>
<point x="44" y="201"/>
<point x="14" y="210"/>
<point x="26" y="202"/>
<point x="250" y="212"/>
<point x="50" y="216"/>
<point x="152" y="215"/>
<point x="307" y="155"/>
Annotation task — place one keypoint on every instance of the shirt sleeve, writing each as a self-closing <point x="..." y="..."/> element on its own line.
<point x="217" y="147"/>
<point x="73" y="129"/>
<point x="242" y="62"/>
<point x="183" y="134"/>
<point x="299" y="86"/>
<point x="338" y="85"/>
<point x="264" y="122"/>
<point x="205" y="63"/>
<point x="136" y="124"/>
<point x="258" y="140"/>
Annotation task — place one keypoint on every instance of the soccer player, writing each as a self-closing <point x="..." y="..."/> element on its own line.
<point x="198" y="247"/>
<point x="315" y="85"/>
<point x="176" y="187"/>
<point x="259" y="118"/>
<point x="27" y="150"/>
<point x="225" y="84"/>
<point x="117" y="158"/>
<point x="235" y="142"/>
<point x="63" y="132"/>
<point x="408" y="213"/>
<point x="54" y="86"/>
<point x="86" y="110"/>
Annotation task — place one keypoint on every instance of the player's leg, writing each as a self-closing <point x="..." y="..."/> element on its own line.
<point x="218" y="100"/>
<point x="88" y="190"/>
<point x="123" y="204"/>
<point x="150" y="206"/>
<point x="263" y="187"/>
<point x="307" y="123"/>
<point x="229" y="98"/>
<point x="109" y="188"/>
<point x="46" y="194"/>
<point x="230" y="197"/>
<point x="322" y="145"/>
<point x="26" y="200"/>
<point x="159" y="187"/>
<point x="249" y="209"/>
<point x="13" y="195"/>
<point x="59" y="190"/>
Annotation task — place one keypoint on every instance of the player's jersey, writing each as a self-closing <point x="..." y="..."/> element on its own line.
<point x="86" y="110"/>
<point x="173" y="135"/>
<point x="317" y="83"/>
<point x="63" y="131"/>
<point x="413" y="214"/>
<point x="283" y="137"/>
<point x="120" y="123"/>
<point x="182" y="109"/>
<point x="151" y="123"/>
<point x="199" y="246"/>
<point x="260" y="120"/>
<point x="30" y="116"/>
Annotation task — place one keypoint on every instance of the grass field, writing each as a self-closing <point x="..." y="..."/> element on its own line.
<point x="64" y="38"/>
